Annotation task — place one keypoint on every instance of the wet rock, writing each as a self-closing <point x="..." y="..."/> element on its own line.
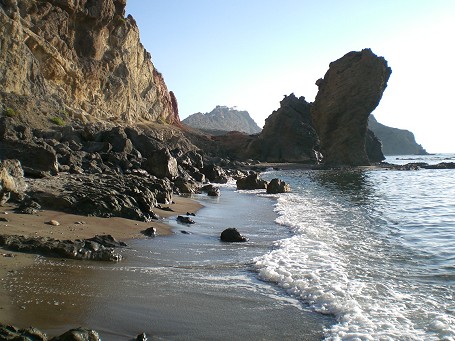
<point x="350" y="91"/>
<point x="185" y="220"/>
<point x="141" y="337"/>
<point x="252" y="181"/>
<point x="212" y="191"/>
<point x="11" y="333"/>
<point x="78" y="249"/>
<point x="232" y="235"/>
<point x="107" y="240"/>
<point x="277" y="186"/>
<point x="78" y="334"/>
<point x="149" y="232"/>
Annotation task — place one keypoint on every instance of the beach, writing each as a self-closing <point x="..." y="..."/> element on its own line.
<point x="183" y="285"/>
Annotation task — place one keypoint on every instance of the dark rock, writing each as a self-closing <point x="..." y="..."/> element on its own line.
<point x="373" y="147"/>
<point x="215" y="174"/>
<point x="185" y="232"/>
<point x="161" y="164"/>
<point x="78" y="334"/>
<point x="118" y="139"/>
<point x="11" y="333"/>
<point x="36" y="160"/>
<point x="4" y="220"/>
<point x="149" y="232"/>
<point x="442" y="165"/>
<point x="350" y="91"/>
<point x="187" y="186"/>
<point x="277" y="186"/>
<point x="28" y="206"/>
<point x="232" y="235"/>
<point x="185" y="220"/>
<point x="288" y="134"/>
<point x="191" y="214"/>
<point x="107" y="241"/>
<point x="78" y="249"/>
<point x="251" y="182"/>
<point x="141" y="337"/>
<point x="212" y="191"/>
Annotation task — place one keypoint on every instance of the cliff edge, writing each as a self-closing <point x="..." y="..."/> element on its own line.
<point x="81" y="59"/>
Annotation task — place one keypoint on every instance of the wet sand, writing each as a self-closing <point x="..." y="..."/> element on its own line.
<point x="71" y="227"/>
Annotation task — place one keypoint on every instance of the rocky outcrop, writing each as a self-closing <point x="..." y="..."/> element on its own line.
<point x="350" y="91"/>
<point x="65" y="59"/>
<point x="11" y="333"/>
<point x="12" y="181"/>
<point x="373" y="147"/>
<point x="395" y="141"/>
<point x="223" y="119"/>
<point x="288" y="134"/>
<point x="88" y="249"/>
<point x="276" y="186"/>
<point x="252" y="181"/>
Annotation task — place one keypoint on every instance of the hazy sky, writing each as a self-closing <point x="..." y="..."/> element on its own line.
<point x="250" y="53"/>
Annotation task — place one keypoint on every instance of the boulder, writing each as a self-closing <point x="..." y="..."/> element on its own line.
<point x="215" y="174"/>
<point x="373" y="147"/>
<point x="252" y="181"/>
<point x="78" y="334"/>
<point x="36" y="160"/>
<point x="11" y="180"/>
<point x="232" y="235"/>
<point x="350" y="91"/>
<point x="277" y="186"/>
<point x="161" y="164"/>
<point x="212" y="191"/>
<point x="149" y="232"/>
<point x="185" y="220"/>
<point x="11" y="333"/>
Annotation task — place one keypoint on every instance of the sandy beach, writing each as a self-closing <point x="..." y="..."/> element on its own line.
<point x="73" y="227"/>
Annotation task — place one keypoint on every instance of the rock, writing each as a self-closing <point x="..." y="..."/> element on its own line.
<point x="215" y="174"/>
<point x="4" y="220"/>
<point x="232" y="235"/>
<point x="96" y="67"/>
<point x="441" y="165"/>
<point x="12" y="180"/>
<point x="53" y="222"/>
<point x="185" y="220"/>
<point x="288" y="134"/>
<point x="373" y="147"/>
<point x="149" y="232"/>
<point x="161" y="164"/>
<point x="88" y="249"/>
<point x="107" y="241"/>
<point x="28" y="206"/>
<point x="11" y="333"/>
<point x="212" y="191"/>
<point x="277" y="186"/>
<point x="36" y="160"/>
<point x="350" y="91"/>
<point x="78" y="334"/>
<point x="251" y="182"/>
<point x="141" y="337"/>
<point x="191" y="214"/>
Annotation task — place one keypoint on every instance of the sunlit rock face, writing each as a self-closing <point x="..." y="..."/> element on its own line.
<point x="81" y="57"/>
<point x="350" y="90"/>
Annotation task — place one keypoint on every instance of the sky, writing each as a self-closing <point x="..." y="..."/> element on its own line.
<point x="248" y="54"/>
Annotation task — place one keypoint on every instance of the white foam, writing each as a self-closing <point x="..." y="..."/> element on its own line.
<point x="337" y="269"/>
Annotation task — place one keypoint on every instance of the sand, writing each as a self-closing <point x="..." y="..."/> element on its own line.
<point x="73" y="227"/>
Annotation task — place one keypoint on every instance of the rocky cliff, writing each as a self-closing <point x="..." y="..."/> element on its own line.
<point x="78" y="59"/>
<point x="288" y="134"/>
<point x="223" y="119"/>
<point x="395" y="141"/>
<point x="350" y="91"/>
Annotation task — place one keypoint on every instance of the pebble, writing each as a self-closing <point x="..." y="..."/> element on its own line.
<point x="53" y="222"/>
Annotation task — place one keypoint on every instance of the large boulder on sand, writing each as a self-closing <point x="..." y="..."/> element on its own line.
<point x="350" y="91"/>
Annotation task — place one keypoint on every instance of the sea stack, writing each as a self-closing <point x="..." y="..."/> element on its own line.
<point x="350" y="90"/>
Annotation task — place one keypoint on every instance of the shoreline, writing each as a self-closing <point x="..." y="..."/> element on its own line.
<point x="74" y="227"/>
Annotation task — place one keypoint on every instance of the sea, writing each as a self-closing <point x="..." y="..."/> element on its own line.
<point x="364" y="254"/>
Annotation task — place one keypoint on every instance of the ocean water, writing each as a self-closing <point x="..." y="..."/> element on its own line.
<point x="347" y="255"/>
<point x="375" y="249"/>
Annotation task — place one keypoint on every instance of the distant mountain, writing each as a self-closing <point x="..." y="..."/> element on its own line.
<point x="223" y="119"/>
<point x="395" y="141"/>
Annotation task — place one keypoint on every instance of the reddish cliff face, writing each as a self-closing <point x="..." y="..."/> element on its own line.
<point x="350" y="91"/>
<point x="80" y="57"/>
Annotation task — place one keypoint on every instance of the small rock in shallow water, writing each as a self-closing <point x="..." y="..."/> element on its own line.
<point x="185" y="220"/>
<point x="141" y="337"/>
<point x="232" y="235"/>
